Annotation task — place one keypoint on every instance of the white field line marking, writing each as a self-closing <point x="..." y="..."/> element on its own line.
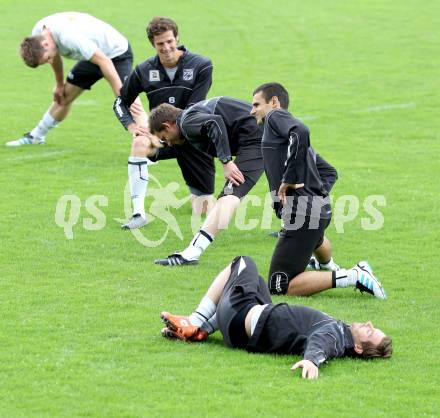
<point x="86" y="102"/>
<point x="378" y="108"/>
<point x="385" y="107"/>
<point x="38" y="156"/>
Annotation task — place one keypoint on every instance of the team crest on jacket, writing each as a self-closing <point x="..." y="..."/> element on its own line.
<point x="188" y="74"/>
<point x="154" y="75"/>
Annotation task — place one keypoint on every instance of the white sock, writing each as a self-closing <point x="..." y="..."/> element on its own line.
<point x="44" y="126"/>
<point x="204" y="312"/>
<point x="329" y="266"/>
<point x="345" y="278"/>
<point x="138" y="178"/>
<point x="200" y="243"/>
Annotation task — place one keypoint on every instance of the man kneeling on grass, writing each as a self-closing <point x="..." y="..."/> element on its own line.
<point x="239" y="304"/>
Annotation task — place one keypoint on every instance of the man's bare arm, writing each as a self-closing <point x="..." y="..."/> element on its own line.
<point x="108" y="70"/>
<point x="58" y="69"/>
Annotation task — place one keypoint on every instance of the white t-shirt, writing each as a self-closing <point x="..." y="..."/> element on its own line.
<point x="78" y="35"/>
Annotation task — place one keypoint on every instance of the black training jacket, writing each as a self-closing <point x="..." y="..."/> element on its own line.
<point x="295" y="329"/>
<point x="220" y="126"/>
<point x="191" y="83"/>
<point x="289" y="158"/>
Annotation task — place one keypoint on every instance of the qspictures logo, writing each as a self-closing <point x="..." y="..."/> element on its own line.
<point x="163" y="202"/>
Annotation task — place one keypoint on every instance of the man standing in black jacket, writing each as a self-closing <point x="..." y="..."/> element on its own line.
<point x="239" y="305"/>
<point x="300" y="190"/>
<point x="222" y="127"/>
<point x="181" y="78"/>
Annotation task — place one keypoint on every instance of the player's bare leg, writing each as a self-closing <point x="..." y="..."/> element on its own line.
<point x="188" y="327"/>
<point x="221" y="214"/>
<point x="217" y="220"/>
<point x="323" y="257"/>
<point x="56" y="113"/>
<point x="201" y="205"/>
<point x="309" y="283"/>
<point x="59" y="111"/>
<point x="360" y="276"/>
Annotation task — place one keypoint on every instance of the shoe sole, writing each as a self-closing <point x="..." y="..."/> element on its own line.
<point x="173" y="327"/>
<point x="169" y="333"/>
<point x="167" y="322"/>
<point x="21" y="145"/>
<point x="165" y="262"/>
<point x="126" y="227"/>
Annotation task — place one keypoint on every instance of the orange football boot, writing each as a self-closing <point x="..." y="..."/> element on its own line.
<point x="199" y="336"/>
<point x="179" y="324"/>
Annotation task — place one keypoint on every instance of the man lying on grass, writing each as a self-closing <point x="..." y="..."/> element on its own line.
<point x="239" y="304"/>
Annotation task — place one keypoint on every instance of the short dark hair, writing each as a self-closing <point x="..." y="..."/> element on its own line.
<point x="161" y="114"/>
<point x="269" y="90"/>
<point x="31" y="50"/>
<point x="384" y="349"/>
<point x="159" y="25"/>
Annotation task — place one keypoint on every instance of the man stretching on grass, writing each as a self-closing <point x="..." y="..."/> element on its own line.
<point x="239" y="304"/>
<point x="178" y="76"/>
<point x="300" y="180"/>
<point x="222" y="127"/>
<point x="101" y="51"/>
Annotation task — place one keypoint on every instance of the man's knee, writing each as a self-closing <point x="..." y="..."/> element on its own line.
<point x="223" y="211"/>
<point x="294" y="290"/>
<point x="202" y="204"/>
<point x="242" y="262"/>
<point x="229" y="203"/>
<point x="68" y="100"/>
<point x="71" y="92"/>
<point x="64" y="103"/>
<point x="140" y="147"/>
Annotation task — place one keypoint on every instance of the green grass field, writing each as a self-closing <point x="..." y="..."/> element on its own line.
<point x="79" y="327"/>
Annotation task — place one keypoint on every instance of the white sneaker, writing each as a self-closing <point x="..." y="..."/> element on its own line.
<point x="313" y="264"/>
<point x="135" y="222"/>
<point x="26" y="139"/>
<point x="367" y="282"/>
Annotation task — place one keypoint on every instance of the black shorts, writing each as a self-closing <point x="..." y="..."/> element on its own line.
<point x="244" y="289"/>
<point x="197" y="167"/>
<point x="250" y="162"/>
<point x="84" y="73"/>
<point x="294" y="248"/>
